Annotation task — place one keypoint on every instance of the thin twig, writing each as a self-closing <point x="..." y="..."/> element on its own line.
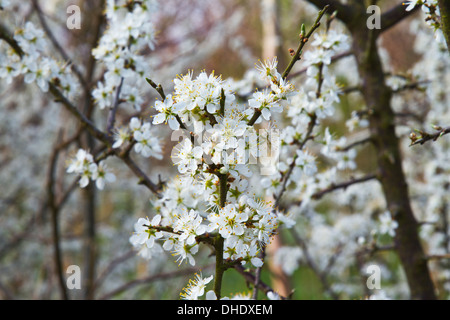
<point x="81" y="117"/>
<point x="344" y="12"/>
<point x="395" y="15"/>
<point x="333" y="59"/>
<point x="356" y="143"/>
<point x="6" y="35"/>
<point x="258" y="275"/>
<point x="54" y="209"/>
<point x="411" y="86"/>
<point x="251" y="279"/>
<point x="56" y="44"/>
<point x="424" y="136"/>
<point x="303" y="40"/>
<point x="111" y="266"/>
<point x="438" y="257"/>
<point x="112" y="112"/>
<point x="157" y="277"/>
<point x="286" y="177"/>
<point x="100" y="135"/>
<point x="344" y="185"/>
<point x="296" y="57"/>
<point x="310" y="262"/>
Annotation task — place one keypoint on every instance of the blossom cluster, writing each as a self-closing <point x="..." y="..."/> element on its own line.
<point x="430" y="9"/>
<point x="196" y="288"/>
<point x="218" y="119"/>
<point x="212" y="197"/>
<point x="140" y="134"/>
<point x="84" y="165"/>
<point x="218" y="196"/>
<point x="130" y="30"/>
<point x="307" y="108"/>
<point x="33" y="63"/>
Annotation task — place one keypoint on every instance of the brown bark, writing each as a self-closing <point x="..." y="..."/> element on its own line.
<point x="90" y="246"/>
<point x="377" y="97"/>
<point x="444" y="8"/>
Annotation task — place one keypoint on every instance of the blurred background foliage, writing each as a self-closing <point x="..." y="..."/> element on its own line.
<point x="227" y="36"/>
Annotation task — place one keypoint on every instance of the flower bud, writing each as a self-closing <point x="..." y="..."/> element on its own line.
<point x="223" y="170"/>
<point x="436" y="127"/>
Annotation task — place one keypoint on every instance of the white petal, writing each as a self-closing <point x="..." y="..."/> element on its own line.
<point x="173" y="123"/>
<point x="135" y="123"/>
<point x="150" y="242"/>
<point x="197" y="152"/>
<point x="138" y="147"/>
<point x="168" y="245"/>
<point x="138" y="136"/>
<point x="257" y="262"/>
<point x="238" y="230"/>
<point x="117" y="144"/>
<point x="200" y="230"/>
<point x="100" y="183"/>
<point x="140" y="238"/>
<point x="212" y="108"/>
<point x="159" y="118"/>
<point x="266" y="114"/>
<point x="84" y="181"/>
<point x="156" y="220"/>
<point x="210" y="295"/>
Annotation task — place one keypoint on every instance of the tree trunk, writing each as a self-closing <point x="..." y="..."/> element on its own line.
<point x="377" y="97"/>
<point x="444" y="8"/>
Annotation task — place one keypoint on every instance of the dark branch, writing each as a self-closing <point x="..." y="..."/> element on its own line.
<point x="113" y="110"/>
<point x="395" y="15"/>
<point x="6" y="35"/>
<point x="252" y="279"/>
<point x="83" y="119"/>
<point x="333" y="59"/>
<point x="311" y="263"/>
<point x="345" y="13"/>
<point x="56" y="44"/>
<point x="424" y="136"/>
<point x="54" y="209"/>
<point x="150" y="279"/>
<point x="356" y="143"/>
<point x="444" y="9"/>
<point x="343" y="185"/>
